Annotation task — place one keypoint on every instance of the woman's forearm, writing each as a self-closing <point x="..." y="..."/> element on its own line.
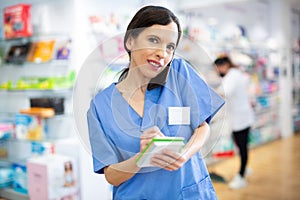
<point x="197" y="140"/>
<point x="118" y="173"/>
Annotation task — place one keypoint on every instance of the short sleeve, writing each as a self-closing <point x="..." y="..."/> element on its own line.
<point x="103" y="151"/>
<point x="203" y="101"/>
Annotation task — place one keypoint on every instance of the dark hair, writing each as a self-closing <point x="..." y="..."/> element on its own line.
<point x="144" y="18"/>
<point x="68" y="165"/>
<point x="224" y="60"/>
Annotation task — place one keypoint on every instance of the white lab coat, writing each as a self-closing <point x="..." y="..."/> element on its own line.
<point x="239" y="111"/>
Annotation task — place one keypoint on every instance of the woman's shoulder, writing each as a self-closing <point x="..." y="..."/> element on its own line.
<point x="184" y="68"/>
<point x="179" y="64"/>
<point x="105" y="93"/>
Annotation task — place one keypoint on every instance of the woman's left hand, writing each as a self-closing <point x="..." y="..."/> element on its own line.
<point x="169" y="160"/>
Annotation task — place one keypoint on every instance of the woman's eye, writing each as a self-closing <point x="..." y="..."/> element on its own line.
<point x="153" y="40"/>
<point x="171" y="47"/>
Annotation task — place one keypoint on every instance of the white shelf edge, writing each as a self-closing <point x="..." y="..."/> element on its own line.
<point x="13" y="195"/>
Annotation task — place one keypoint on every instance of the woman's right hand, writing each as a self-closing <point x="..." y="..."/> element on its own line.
<point x="147" y="136"/>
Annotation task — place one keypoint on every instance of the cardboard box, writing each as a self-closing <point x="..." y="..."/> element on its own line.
<point x="29" y="127"/>
<point x="41" y="51"/>
<point x="52" y="177"/>
<point x="17" y="21"/>
<point x="20" y="181"/>
<point x="17" y="54"/>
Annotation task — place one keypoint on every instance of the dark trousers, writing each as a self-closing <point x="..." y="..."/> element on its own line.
<point x="241" y="140"/>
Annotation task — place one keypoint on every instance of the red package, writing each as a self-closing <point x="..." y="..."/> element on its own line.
<point x="17" y="21"/>
<point x="225" y="154"/>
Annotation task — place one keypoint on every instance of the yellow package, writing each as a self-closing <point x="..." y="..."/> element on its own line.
<point x="41" y="51"/>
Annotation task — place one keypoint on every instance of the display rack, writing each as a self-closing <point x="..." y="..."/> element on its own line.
<point x="264" y="75"/>
<point x="296" y="88"/>
<point x="9" y="193"/>
<point x="15" y="96"/>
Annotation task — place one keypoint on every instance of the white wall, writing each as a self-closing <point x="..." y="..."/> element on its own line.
<point x="254" y="16"/>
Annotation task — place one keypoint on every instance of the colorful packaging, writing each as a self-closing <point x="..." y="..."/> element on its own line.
<point x="29" y="127"/>
<point x="41" y="51"/>
<point x="6" y="129"/>
<point x="42" y="148"/>
<point x="17" y="21"/>
<point x="63" y="51"/>
<point x="17" y="54"/>
<point x="3" y="149"/>
<point x="52" y="177"/>
<point x="20" y="181"/>
<point x="6" y="177"/>
<point x="225" y="147"/>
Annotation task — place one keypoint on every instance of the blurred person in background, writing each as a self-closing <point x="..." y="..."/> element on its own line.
<point x="240" y="113"/>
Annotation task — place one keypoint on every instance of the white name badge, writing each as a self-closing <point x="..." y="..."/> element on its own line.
<point x="179" y="115"/>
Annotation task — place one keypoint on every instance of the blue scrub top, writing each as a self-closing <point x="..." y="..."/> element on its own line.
<point x="115" y="129"/>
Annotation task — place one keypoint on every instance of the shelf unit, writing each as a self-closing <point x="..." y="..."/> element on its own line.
<point x="60" y="128"/>
<point x="265" y="78"/>
<point x="9" y="193"/>
<point x="296" y="88"/>
<point x="30" y="93"/>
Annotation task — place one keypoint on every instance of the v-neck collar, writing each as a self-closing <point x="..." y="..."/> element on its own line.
<point x="148" y="119"/>
<point x="118" y="93"/>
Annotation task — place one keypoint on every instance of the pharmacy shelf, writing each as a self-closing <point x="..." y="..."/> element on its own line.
<point x="39" y="93"/>
<point x="9" y="193"/>
<point x="52" y="63"/>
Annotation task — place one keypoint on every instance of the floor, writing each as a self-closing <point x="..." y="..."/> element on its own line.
<point x="276" y="172"/>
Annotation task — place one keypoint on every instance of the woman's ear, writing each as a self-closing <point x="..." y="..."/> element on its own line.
<point x="129" y="43"/>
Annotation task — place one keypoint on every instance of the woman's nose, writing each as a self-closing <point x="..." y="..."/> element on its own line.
<point x="161" y="52"/>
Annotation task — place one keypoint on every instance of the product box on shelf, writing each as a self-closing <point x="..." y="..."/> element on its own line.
<point x="63" y="50"/>
<point x="30" y="123"/>
<point x="29" y="127"/>
<point x="1" y="54"/>
<point x="52" y="177"/>
<point x="6" y="177"/>
<point x="42" y="148"/>
<point x="3" y="149"/>
<point x="41" y="51"/>
<point x="57" y="103"/>
<point x="17" y="54"/>
<point x="6" y="129"/>
<point x="17" y="21"/>
<point x="20" y="180"/>
<point x="225" y="148"/>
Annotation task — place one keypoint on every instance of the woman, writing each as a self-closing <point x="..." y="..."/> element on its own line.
<point x="124" y="117"/>
<point x="240" y="113"/>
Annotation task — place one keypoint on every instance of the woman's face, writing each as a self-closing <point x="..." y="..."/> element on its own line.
<point x="153" y="49"/>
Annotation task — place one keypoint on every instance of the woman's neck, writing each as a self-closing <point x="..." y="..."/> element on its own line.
<point x="134" y="82"/>
<point x="133" y="89"/>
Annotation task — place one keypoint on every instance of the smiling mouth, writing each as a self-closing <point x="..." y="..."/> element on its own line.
<point x="155" y="64"/>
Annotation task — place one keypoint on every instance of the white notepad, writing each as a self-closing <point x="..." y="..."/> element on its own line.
<point x="157" y="145"/>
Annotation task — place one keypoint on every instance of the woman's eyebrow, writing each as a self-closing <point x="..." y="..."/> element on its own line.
<point x="156" y="36"/>
<point x="160" y="39"/>
<point x="173" y="43"/>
